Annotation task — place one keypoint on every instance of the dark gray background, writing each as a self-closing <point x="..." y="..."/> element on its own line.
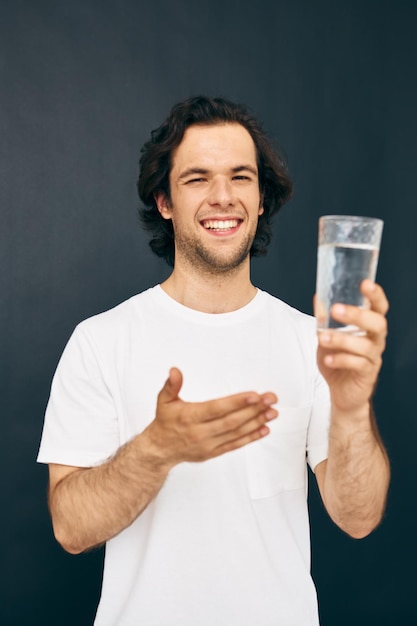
<point x="82" y="84"/>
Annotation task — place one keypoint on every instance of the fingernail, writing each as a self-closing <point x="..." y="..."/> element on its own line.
<point x="325" y="337"/>
<point x="339" y="309"/>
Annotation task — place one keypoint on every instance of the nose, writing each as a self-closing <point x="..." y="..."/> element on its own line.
<point x="221" y="192"/>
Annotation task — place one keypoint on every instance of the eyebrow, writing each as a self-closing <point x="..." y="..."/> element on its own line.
<point x="245" y="168"/>
<point x="201" y="170"/>
<point x="193" y="170"/>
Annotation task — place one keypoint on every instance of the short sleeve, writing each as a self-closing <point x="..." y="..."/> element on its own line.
<point x="318" y="431"/>
<point x="81" y="426"/>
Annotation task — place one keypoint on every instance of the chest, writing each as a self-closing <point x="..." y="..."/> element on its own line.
<point x="215" y="362"/>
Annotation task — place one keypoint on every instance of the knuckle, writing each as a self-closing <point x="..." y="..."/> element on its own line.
<point x="384" y="327"/>
<point x="230" y="422"/>
<point x="376" y="362"/>
<point x="215" y="408"/>
<point x="259" y="420"/>
<point x="381" y="329"/>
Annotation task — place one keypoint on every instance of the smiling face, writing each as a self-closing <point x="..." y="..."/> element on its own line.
<point x="215" y="200"/>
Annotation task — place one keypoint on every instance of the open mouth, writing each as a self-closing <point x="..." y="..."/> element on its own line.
<point x="220" y="225"/>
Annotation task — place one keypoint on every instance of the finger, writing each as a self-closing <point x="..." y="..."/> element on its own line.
<point x="359" y="345"/>
<point x="239" y="442"/>
<point x="220" y="407"/>
<point x="172" y="386"/>
<point x="372" y="322"/>
<point x="352" y="362"/>
<point x="240" y="422"/>
<point x="377" y="299"/>
<point x="205" y="439"/>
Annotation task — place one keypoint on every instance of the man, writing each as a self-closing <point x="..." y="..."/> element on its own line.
<point x="198" y="484"/>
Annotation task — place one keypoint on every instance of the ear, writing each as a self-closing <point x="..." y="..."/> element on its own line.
<point x="261" y="205"/>
<point x="163" y="205"/>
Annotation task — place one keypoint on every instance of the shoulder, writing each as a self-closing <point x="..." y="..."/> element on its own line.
<point x="293" y="330"/>
<point x="282" y="311"/>
<point x="118" y="319"/>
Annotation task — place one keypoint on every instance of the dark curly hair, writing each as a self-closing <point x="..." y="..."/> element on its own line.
<point x="156" y="161"/>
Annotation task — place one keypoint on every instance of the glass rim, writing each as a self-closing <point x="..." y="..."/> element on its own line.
<point x="351" y="218"/>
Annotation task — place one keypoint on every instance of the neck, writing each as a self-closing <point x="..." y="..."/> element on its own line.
<point x="211" y="293"/>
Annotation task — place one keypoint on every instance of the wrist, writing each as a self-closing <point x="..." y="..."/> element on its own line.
<point x="355" y="418"/>
<point x="152" y="453"/>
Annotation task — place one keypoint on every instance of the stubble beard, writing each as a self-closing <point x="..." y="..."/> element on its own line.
<point x="208" y="261"/>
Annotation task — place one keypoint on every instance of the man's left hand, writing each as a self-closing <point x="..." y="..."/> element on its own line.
<point x="351" y="363"/>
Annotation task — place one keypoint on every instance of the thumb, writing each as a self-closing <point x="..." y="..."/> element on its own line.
<point x="172" y="386"/>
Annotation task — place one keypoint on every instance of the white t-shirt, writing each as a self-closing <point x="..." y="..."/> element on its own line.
<point x="225" y="542"/>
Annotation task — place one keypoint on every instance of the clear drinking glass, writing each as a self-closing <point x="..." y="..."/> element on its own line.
<point x="348" y="251"/>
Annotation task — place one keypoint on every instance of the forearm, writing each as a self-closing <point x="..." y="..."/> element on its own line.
<point x="357" y="473"/>
<point x="90" y="506"/>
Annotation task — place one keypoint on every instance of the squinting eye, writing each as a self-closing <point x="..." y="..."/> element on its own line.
<point x="195" y="180"/>
<point x="241" y="177"/>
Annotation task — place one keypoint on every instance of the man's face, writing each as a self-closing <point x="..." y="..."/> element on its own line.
<point x="215" y="199"/>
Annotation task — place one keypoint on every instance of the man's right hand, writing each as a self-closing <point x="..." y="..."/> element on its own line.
<point x="197" y="431"/>
<point x="91" y="505"/>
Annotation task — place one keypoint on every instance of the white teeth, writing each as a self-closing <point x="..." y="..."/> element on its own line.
<point x="220" y="224"/>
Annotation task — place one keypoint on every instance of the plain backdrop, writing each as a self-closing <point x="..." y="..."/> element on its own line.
<point x="82" y="84"/>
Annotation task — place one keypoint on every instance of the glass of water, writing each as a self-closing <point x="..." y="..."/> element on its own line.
<point x="348" y="253"/>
